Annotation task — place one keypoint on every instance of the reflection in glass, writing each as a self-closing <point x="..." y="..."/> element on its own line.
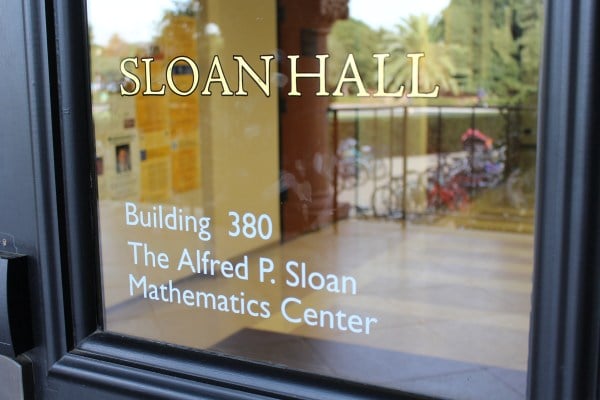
<point x="353" y="230"/>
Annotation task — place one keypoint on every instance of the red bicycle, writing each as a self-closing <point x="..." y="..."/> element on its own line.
<point x="446" y="196"/>
<point x="445" y="188"/>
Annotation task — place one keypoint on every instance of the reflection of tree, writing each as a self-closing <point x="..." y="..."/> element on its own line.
<point x="526" y="30"/>
<point x="178" y="21"/>
<point x="357" y="38"/>
<point x="416" y="35"/>
<point x="117" y="47"/>
<point x="501" y="42"/>
<point x="185" y="7"/>
<point x="106" y="59"/>
<point x="487" y="47"/>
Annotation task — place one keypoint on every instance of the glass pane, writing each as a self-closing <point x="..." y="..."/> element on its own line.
<point x="339" y="187"/>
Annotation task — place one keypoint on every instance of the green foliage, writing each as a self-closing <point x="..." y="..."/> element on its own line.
<point x="489" y="48"/>
<point x="501" y="39"/>
<point x="357" y="38"/>
<point x="416" y="35"/>
<point x="413" y="35"/>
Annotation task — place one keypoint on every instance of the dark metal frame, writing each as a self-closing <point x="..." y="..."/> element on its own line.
<point x="50" y="154"/>
<point x="565" y="320"/>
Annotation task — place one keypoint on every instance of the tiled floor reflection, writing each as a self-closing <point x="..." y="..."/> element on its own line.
<point x="453" y="309"/>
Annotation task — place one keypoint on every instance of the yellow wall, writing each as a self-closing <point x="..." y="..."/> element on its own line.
<point x="239" y="135"/>
<point x="234" y="141"/>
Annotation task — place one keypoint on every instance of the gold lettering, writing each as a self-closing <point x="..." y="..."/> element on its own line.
<point x="148" y="91"/>
<point x="381" y="78"/>
<point x="195" y="73"/>
<point x="294" y="75"/>
<point x="350" y="64"/>
<point x="220" y="78"/>
<point x="244" y="66"/>
<point x="414" y="89"/>
<point x="131" y="76"/>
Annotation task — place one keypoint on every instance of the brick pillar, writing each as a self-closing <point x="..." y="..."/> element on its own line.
<point x="306" y="151"/>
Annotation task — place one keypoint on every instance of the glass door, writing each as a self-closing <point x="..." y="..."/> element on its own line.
<point x="317" y="199"/>
<point x="341" y="188"/>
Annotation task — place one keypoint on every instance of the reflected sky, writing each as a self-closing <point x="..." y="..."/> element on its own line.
<point x="134" y="20"/>
<point x="387" y="13"/>
<point x="137" y="20"/>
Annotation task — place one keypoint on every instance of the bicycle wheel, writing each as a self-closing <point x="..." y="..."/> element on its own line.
<point x="362" y="175"/>
<point x="416" y="198"/>
<point x="379" y="169"/>
<point x="346" y="175"/>
<point x="352" y="174"/>
<point x="384" y="201"/>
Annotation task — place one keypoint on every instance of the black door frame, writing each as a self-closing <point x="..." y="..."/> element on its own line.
<point x="563" y="362"/>
<point x="49" y="205"/>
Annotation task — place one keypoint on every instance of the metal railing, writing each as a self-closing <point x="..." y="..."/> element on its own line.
<point x="398" y="136"/>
